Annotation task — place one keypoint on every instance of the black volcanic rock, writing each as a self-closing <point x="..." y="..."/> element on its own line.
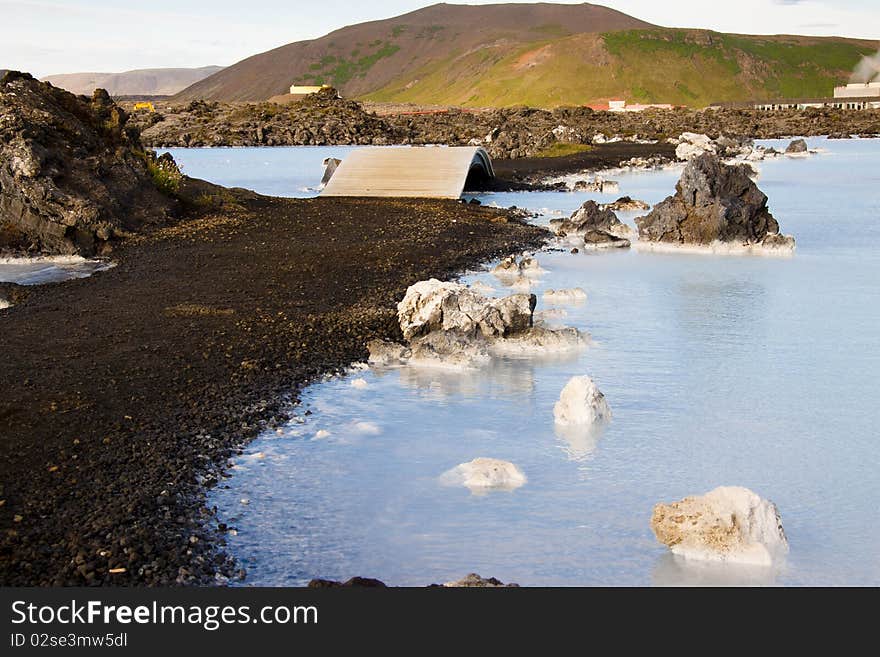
<point x="797" y="146"/>
<point x="73" y="176"/>
<point x="713" y="202"/>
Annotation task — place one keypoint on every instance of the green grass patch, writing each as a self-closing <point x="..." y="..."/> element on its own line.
<point x="560" y="149"/>
<point x="164" y="173"/>
<point x="344" y="70"/>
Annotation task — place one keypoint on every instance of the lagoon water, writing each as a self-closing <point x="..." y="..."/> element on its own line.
<point x="52" y="269"/>
<point x="720" y="370"/>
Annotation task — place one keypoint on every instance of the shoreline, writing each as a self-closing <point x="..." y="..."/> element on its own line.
<point x="127" y="392"/>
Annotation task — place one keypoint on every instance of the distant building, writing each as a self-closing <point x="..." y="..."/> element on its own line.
<point x="858" y="90"/>
<point x="297" y="90"/>
<point x="618" y="105"/>
<point x="853" y="96"/>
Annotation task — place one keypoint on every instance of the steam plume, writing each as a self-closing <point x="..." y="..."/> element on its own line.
<point x="868" y="69"/>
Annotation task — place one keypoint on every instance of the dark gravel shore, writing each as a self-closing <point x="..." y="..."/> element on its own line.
<point x="124" y="394"/>
<point x="531" y="170"/>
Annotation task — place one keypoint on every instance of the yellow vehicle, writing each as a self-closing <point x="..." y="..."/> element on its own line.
<point x="144" y="106"/>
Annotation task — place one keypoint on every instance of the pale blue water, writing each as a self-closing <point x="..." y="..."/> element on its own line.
<point x="720" y="370"/>
<point x="276" y="171"/>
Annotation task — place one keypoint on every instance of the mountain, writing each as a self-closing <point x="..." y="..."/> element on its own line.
<point x="541" y="55"/>
<point x="364" y="58"/>
<point x="141" y="82"/>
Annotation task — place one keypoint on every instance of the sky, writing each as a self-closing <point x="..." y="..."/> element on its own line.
<point x="66" y="36"/>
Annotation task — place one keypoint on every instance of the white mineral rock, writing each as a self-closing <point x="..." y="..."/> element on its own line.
<point x="581" y="403"/>
<point x="729" y="524"/>
<point x="435" y="305"/>
<point x="692" y="144"/>
<point x="360" y="384"/>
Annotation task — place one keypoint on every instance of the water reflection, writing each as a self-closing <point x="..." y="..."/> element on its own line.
<point x="579" y="441"/>
<point x="506" y="377"/>
<point x="674" y="570"/>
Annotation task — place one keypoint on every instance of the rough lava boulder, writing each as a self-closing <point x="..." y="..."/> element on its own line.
<point x="797" y="146"/>
<point x="714" y="202"/>
<point x="598" y="227"/>
<point x="728" y="524"/>
<point x="73" y="176"/>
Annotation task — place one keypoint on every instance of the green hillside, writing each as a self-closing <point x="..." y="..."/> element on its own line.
<point x="542" y="55"/>
<point x="687" y="67"/>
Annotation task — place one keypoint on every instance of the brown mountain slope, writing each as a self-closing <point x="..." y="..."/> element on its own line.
<point x="140" y="82"/>
<point x="363" y="58"/>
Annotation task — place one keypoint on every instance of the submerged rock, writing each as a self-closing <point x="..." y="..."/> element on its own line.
<point x="581" y="403"/>
<point x="449" y="349"/>
<point x="572" y="295"/>
<point x="625" y="204"/>
<point x="731" y="147"/>
<point x="434" y="305"/>
<point x="484" y="474"/>
<point x="598" y="184"/>
<point x="475" y="581"/>
<point x="513" y="267"/>
<point x="354" y="582"/>
<point x="472" y="581"/>
<point x="73" y="176"/>
<point x="713" y="202"/>
<point x="541" y="340"/>
<point x="730" y="523"/>
<point x="597" y="227"/>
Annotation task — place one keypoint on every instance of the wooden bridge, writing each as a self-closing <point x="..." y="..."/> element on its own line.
<point x="417" y="172"/>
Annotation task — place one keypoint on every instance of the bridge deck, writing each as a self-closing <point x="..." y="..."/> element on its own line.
<point x="423" y="172"/>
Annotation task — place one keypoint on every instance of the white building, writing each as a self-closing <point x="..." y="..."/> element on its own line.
<point x="299" y="90"/>
<point x="858" y="90"/>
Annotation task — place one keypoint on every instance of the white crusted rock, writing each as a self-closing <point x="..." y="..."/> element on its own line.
<point x="691" y="145"/>
<point x="434" y="305"/>
<point x="729" y="524"/>
<point x="581" y="403"/>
